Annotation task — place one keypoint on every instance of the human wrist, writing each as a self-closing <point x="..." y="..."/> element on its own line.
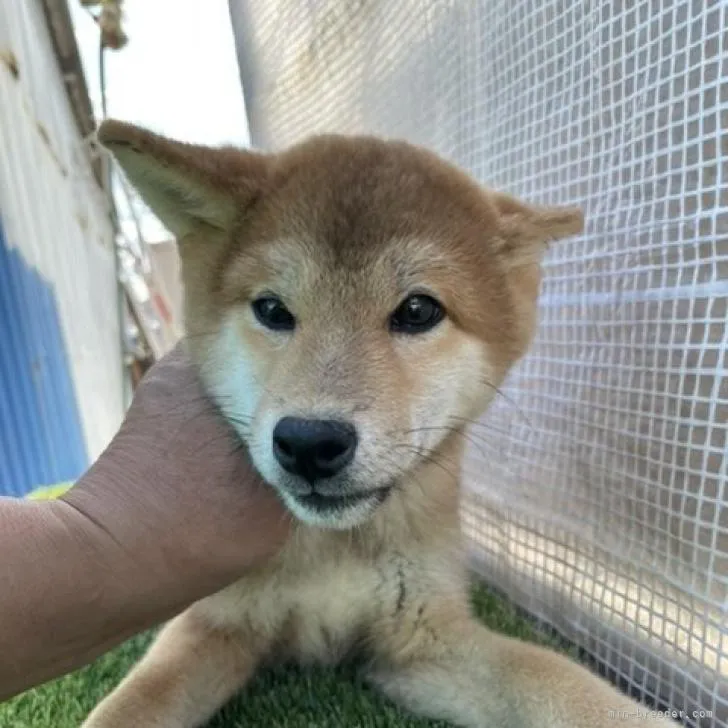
<point x="89" y="593"/>
<point x="122" y="573"/>
<point x="56" y="582"/>
<point x="129" y="501"/>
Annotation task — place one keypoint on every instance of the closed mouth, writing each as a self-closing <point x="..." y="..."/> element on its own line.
<point x="322" y="503"/>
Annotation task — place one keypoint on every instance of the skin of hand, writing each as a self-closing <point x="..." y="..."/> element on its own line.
<point x="171" y="512"/>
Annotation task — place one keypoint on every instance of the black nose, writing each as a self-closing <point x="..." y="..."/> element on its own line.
<point x="314" y="449"/>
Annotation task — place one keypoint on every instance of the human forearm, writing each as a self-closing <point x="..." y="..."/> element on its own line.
<point x="71" y="590"/>
<point x="54" y="578"/>
<point x="172" y="511"/>
<point x="69" y="593"/>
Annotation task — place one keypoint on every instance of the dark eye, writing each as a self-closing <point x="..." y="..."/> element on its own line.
<point x="271" y="312"/>
<point x="416" y="315"/>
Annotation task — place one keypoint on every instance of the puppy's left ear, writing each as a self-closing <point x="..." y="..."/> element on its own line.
<point x="526" y="229"/>
<point x="189" y="187"/>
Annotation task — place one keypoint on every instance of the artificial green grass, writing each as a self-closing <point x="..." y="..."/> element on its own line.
<point x="280" y="698"/>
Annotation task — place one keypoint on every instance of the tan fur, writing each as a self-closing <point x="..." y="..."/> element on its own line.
<point x="342" y="229"/>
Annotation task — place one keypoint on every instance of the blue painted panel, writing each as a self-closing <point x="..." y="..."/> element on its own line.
<point x="41" y="436"/>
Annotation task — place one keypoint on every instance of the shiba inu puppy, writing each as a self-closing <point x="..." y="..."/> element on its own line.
<point x="352" y="304"/>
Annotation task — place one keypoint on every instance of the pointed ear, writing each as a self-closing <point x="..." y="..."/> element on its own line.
<point x="187" y="186"/>
<point x="526" y="230"/>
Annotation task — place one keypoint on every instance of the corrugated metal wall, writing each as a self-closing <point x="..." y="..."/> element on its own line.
<point x="61" y="394"/>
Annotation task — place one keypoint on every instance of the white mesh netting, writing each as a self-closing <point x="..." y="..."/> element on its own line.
<point x="597" y="490"/>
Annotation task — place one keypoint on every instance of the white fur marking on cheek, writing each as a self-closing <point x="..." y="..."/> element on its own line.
<point x="261" y="447"/>
<point x="233" y="379"/>
<point x="447" y="396"/>
<point x="230" y="374"/>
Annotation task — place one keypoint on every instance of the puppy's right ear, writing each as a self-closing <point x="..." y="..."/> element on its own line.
<point x="189" y="187"/>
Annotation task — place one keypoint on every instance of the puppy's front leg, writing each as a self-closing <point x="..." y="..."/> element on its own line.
<point x="190" y="671"/>
<point x="440" y="662"/>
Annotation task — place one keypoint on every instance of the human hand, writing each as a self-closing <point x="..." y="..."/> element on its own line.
<point x="170" y="513"/>
<point x="176" y="487"/>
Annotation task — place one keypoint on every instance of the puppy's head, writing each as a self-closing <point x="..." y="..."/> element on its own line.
<point x="351" y="303"/>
